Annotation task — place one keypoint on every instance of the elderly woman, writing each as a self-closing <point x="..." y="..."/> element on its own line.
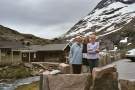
<point x="75" y="55"/>
<point x="93" y="52"/>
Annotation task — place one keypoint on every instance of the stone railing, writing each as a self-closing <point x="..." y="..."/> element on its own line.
<point x="109" y="57"/>
<point x="127" y="84"/>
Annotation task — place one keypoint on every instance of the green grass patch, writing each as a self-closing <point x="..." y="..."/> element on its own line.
<point x="32" y="86"/>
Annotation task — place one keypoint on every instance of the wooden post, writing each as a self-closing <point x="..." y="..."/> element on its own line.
<point x="0" y="55"/>
<point x="29" y="56"/>
<point x="11" y="56"/>
<point x="66" y="57"/>
<point x="20" y="57"/>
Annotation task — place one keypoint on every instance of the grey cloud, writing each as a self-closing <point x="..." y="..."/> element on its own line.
<point x="43" y="13"/>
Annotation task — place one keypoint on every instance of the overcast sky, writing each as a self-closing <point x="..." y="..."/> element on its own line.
<point x="43" y="18"/>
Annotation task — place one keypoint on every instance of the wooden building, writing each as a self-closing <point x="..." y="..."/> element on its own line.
<point x="12" y="52"/>
<point x="9" y="53"/>
<point x="46" y="53"/>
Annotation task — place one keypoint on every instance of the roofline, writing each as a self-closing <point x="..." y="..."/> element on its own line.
<point x="23" y="49"/>
<point x="65" y="46"/>
<point x="50" y="50"/>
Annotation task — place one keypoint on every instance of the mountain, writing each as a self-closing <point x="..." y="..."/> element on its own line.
<point x="112" y="20"/>
<point x="7" y="34"/>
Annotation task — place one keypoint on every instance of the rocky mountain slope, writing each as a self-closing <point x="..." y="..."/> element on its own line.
<point x="112" y="20"/>
<point x="7" y="34"/>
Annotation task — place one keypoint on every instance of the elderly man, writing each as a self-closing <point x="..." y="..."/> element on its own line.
<point x="75" y="55"/>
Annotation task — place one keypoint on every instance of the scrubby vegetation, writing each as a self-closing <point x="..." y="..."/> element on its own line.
<point x="14" y="72"/>
<point x="22" y="70"/>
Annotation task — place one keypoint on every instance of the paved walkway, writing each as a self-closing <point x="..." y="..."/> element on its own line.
<point x="126" y="69"/>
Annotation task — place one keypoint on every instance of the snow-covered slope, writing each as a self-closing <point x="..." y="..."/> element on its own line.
<point x="109" y="18"/>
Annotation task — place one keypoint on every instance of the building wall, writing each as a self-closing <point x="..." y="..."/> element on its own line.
<point x="7" y="57"/>
<point x="44" y="56"/>
<point x="51" y="56"/>
<point x="17" y="58"/>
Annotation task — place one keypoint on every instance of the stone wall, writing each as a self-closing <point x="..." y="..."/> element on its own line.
<point x="104" y="78"/>
<point x="127" y="84"/>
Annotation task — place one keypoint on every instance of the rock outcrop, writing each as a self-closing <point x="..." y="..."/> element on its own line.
<point x="66" y="82"/>
<point x="65" y="68"/>
<point x="105" y="78"/>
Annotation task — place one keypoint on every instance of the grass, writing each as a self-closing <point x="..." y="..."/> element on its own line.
<point x="32" y="86"/>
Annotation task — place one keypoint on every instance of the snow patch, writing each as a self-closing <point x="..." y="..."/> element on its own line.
<point x="106" y="18"/>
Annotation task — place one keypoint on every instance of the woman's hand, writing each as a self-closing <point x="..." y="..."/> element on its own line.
<point x="97" y="50"/>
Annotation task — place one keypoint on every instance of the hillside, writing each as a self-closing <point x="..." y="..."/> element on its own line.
<point x="112" y="21"/>
<point x="7" y="34"/>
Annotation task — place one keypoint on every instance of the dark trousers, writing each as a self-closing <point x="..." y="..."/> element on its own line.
<point x="76" y="68"/>
<point x="85" y="62"/>
<point x="92" y="63"/>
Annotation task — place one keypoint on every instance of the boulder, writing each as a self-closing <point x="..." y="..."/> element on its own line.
<point x="66" y="82"/>
<point x="105" y="78"/>
<point x="53" y="72"/>
<point x="64" y="68"/>
<point x="28" y="65"/>
<point x="127" y="84"/>
<point x="46" y="72"/>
